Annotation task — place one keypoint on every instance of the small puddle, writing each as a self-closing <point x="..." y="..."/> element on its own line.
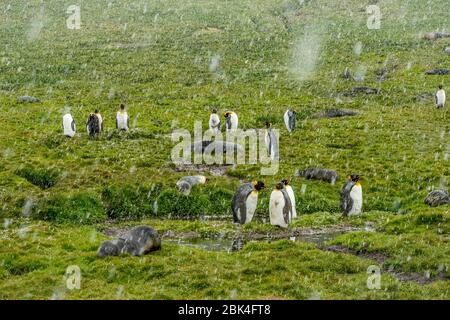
<point x="231" y="245"/>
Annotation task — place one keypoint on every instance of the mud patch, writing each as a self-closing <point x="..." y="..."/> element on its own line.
<point x="214" y="170"/>
<point x="381" y="258"/>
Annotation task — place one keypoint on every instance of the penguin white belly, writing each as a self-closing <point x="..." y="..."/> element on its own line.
<point x="100" y="121"/>
<point x="234" y="122"/>
<point x="276" y="205"/>
<point x="440" y="96"/>
<point x="356" y="195"/>
<point x="122" y="121"/>
<point x="286" y="120"/>
<point x="214" y="122"/>
<point x="67" y="125"/>
<point x="250" y="204"/>
<point x="291" y="194"/>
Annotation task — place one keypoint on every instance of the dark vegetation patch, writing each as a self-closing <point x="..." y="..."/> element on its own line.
<point x="438" y="72"/>
<point x="358" y="90"/>
<point x="81" y="208"/>
<point x="335" y="113"/>
<point x="43" y="178"/>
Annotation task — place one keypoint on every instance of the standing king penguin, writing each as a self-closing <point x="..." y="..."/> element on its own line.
<point x="291" y="195"/>
<point x="440" y="97"/>
<point x="231" y="122"/>
<point x="271" y="142"/>
<point x="290" y="119"/>
<point x="280" y="207"/>
<point x="214" y="122"/>
<point x="93" y="126"/>
<point x="245" y="201"/>
<point x="122" y="119"/>
<point x="351" y="196"/>
<point x="69" y="127"/>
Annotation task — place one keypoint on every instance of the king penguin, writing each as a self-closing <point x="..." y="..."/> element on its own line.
<point x="122" y="119"/>
<point x="291" y="195"/>
<point x="93" y="126"/>
<point x="351" y="196"/>
<point x="289" y="119"/>
<point x="69" y="127"/>
<point x="245" y="201"/>
<point x="231" y="122"/>
<point x="280" y="207"/>
<point x="271" y="142"/>
<point x="100" y="120"/>
<point x="440" y="97"/>
<point x="214" y="122"/>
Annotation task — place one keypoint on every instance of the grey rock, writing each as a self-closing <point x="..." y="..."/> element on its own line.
<point x="28" y="99"/>
<point x="209" y="147"/>
<point x="335" y="113"/>
<point x="326" y="175"/>
<point x="436" y="198"/>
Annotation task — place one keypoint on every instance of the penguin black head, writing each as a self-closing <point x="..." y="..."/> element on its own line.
<point x="258" y="185"/>
<point x="285" y="182"/>
<point x="214" y="110"/>
<point x="122" y="106"/>
<point x="279" y="186"/>
<point x="354" y="177"/>
<point x="267" y="124"/>
<point x="441" y="86"/>
<point x="226" y="114"/>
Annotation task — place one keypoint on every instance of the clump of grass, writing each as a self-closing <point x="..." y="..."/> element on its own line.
<point x="173" y="203"/>
<point x="43" y="178"/>
<point x="81" y="208"/>
<point x="130" y="202"/>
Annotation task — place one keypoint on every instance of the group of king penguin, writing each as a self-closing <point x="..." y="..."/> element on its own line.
<point x="282" y="205"/>
<point x="94" y="124"/>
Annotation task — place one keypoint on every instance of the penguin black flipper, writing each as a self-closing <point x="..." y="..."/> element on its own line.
<point x="287" y="210"/>
<point x="238" y="204"/>
<point x="346" y="200"/>
<point x="73" y="125"/>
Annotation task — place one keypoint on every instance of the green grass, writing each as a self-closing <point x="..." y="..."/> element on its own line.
<point x="155" y="57"/>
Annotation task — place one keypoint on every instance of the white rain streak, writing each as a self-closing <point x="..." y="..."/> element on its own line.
<point x="306" y="53"/>
<point x="26" y="209"/>
<point x="37" y="24"/>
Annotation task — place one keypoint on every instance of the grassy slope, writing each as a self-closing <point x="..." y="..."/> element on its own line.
<point x="157" y="62"/>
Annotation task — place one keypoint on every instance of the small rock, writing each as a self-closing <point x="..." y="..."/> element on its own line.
<point x="28" y="99"/>
<point x="436" y="198"/>
<point x="335" y="113"/>
<point x="319" y="174"/>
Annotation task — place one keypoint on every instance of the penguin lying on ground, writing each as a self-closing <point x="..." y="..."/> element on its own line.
<point x="271" y="142"/>
<point x="185" y="184"/>
<point x="290" y="119"/>
<point x="231" y="120"/>
<point x="122" y="119"/>
<point x="351" y="196"/>
<point x="280" y="207"/>
<point x="291" y="195"/>
<point x="440" y="97"/>
<point x="245" y="201"/>
<point x="214" y="122"/>
<point x="69" y="127"/>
